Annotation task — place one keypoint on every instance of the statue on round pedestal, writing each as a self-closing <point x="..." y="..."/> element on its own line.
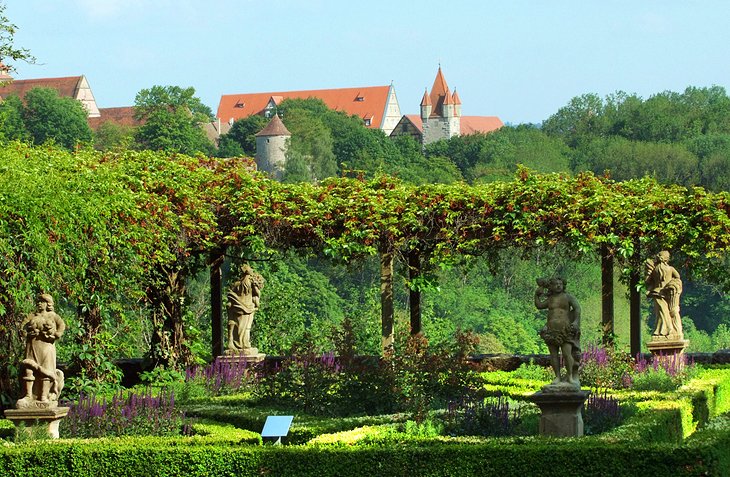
<point x="561" y="332"/>
<point x="664" y="287"/>
<point x="41" y="381"/>
<point x="243" y="302"/>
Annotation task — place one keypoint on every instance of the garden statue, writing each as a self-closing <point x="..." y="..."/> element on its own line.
<point x="243" y="301"/>
<point x="41" y="381"/>
<point x="664" y="287"/>
<point x="561" y="332"/>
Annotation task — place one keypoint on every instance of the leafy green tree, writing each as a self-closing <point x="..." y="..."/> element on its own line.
<point x="415" y="168"/>
<point x="241" y="138"/>
<point x="625" y="160"/>
<point x="581" y="118"/>
<point x="110" y="136"/>
<point x="496" y="155"/>
<point x="351" y="144"/>
<point x="309" y="156"/>
<point x="317" y="308"/>
<point x="172" y="117"/>
<point x="12" y="126"/>
<point x="713" y="151"/>
<point x="49" y="117"/>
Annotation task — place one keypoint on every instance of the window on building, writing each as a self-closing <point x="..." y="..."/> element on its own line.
<point x="368" y="121"/>
<point x="239" y="104"/>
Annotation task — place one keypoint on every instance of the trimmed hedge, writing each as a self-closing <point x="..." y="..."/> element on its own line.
<point x="680" y="435"/>
<point x="705" y="455"/>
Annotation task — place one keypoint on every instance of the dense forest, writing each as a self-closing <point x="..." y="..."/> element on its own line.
<point x="678" y="139"/>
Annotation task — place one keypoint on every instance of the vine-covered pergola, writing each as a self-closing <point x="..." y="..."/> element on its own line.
<point x="104" y="230"/>
<point x="349" y="218"/>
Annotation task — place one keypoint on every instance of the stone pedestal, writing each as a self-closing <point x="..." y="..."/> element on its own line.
<point x="249" y="356"/>
<point x="668" y="351"/>
<point x="50" y="418"/>
<point x="561" y="412"/>
<point x="665" y="347"/>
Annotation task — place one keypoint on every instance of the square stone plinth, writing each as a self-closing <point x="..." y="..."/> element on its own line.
<point x="667" y="347"/>
<point x="560" y="412"/>
<point x="50" y="418"/>
<point x="237" y="357"/>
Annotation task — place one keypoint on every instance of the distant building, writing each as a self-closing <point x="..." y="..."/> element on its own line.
<point x="122" y="116"/>
<point x="376" y="105"/>
<point x="271" y="146"/>
<point x="441" y="117"/>
<point x="76" y="87"/>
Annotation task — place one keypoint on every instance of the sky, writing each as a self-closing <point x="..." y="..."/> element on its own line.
<point x="520" y="60"/>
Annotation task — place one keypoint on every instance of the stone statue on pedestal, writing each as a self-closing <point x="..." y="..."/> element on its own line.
<point x="664" y="287"/>
<point x="561" y="332"/>
<point x="41" y="382"/>
<point x="243" y="302"/>
<point x="561" y="401"/>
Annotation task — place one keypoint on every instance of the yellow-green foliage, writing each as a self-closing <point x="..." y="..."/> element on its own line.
<point x="225" y="432"/>
<point x="350" y="437"/>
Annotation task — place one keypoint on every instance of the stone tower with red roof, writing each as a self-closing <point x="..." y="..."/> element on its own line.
<point x="271" y="146"/>
<point x="440" y="111"/>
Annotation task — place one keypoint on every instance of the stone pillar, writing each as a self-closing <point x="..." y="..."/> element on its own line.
<point x="561" y="412"/>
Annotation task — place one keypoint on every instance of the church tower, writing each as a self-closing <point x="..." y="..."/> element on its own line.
<point x="440" y="111"/>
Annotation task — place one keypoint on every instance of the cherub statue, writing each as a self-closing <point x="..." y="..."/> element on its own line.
<point x="562" y="330"/>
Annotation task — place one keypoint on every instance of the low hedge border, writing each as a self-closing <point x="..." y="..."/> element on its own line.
<point x="705" y="455"/>
<point x="678" y="436"/>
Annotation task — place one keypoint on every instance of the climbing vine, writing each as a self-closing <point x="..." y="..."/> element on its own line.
<point x="107" y="229"/>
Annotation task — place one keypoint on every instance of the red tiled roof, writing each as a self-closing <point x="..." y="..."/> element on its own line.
<point x="440" y="94"/>
<point x="66" y="87"/>
<point x="123" y="116"/>
<point x="369" y="101"/>
<point x="426" y="100"/>
<point x="274" y="128"/>
<point x="480" y="124"/>
<point x="469" y="124"/>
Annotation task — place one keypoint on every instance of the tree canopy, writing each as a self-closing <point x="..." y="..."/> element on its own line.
<point x="172" y="118"/>
<point x="43" y="116"/>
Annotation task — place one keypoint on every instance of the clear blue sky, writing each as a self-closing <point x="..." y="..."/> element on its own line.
<point x="517" y="59"/>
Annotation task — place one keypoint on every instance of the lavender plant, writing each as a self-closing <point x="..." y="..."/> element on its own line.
<point x="130" y="415"/>
<point x="602" y="368"/>
<point x="484" y="416"/>
<point x="601" y="413"/>
<point x="221" y="377"/>
<point x="607" y="368"/>
<point x="663" y="373"/>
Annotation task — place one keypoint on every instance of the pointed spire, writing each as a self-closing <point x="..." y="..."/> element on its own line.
<point x="426" y="100"/>
<point x="455" y="98"/>
<point x="439" y="88"/>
